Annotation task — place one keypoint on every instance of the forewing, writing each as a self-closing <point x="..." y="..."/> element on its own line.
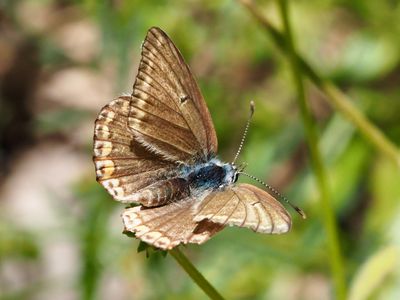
<point x="244" y="205"/>
<point x="124" y="166"/>
<point x="168" y="113"/>
<point x="168" y="226"/>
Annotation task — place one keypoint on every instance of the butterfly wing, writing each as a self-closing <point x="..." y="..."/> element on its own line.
<point x="195" y="221"/>
<point x="244" y="205"/>
<point x="167" y="226"/>
<point x="168" y="113"/>
<point x="124" y="166"/>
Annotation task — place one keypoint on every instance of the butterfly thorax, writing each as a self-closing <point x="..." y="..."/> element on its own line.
<point x="211" y="175"/>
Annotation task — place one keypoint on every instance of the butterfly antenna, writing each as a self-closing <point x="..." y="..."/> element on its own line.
<point x="279" y="195"/>
<point x="246" y="129"/>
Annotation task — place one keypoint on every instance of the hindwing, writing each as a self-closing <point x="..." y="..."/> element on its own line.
<point x="168" y="226"/>
<point x="123" y="165"/>
<point x="244" y="205"/>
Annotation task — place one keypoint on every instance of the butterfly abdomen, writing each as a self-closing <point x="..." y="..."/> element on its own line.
<point x="163" y="192"/>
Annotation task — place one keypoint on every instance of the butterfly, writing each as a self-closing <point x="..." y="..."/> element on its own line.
<point x="158" y="148"/>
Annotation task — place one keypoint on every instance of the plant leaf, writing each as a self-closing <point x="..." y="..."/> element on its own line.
<point x="373" y="272"/>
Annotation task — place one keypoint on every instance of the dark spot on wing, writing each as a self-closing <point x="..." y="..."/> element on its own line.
<point x="184" y="99"/>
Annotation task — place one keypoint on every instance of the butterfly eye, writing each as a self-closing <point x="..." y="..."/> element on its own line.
<point x="236" y="177"/>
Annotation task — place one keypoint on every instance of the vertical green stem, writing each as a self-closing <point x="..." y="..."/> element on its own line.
<point x="316" y="161"/>
<point x="197" y="277"/>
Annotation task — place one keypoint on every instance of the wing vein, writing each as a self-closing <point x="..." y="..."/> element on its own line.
<point x="142" y="79"/>
<point x="154" y="98"/>
<point x="213" y="215"/>
<point x="245" y="210"/>
<point x="161" y="141"/>
<point x="182" y="140"/>
<point x="158" y="117"/>
<point x="112" y="141"/>
<point x="171" y="98"/>
<point x="108" y="106"/>
<point x="166" y="60"/>
<point x="191" y="82"/>
<point x="269" y="215"/>
<point x="127" y="174"/>
<point x="233" y="210"/>
<point x="176" y="213"/>
<point x="180" y="64"/>
<point x="182" y="87"/>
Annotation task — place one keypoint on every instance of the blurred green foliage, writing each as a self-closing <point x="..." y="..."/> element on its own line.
<point x="355" y="44"/>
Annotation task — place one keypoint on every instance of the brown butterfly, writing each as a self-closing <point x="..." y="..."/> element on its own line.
<point x="158" y="148"/>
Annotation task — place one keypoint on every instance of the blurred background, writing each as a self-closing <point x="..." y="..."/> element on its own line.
<point x="62" y="60"/>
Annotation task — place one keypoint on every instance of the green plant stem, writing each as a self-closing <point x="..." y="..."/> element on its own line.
<point x="335" y="257"/>
<point x="376" y="137"/>
<point x="195" y="274"/>
<point x="335" y="97"/>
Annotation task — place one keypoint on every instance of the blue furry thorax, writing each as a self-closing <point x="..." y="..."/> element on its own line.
<point x="212" y="174"/>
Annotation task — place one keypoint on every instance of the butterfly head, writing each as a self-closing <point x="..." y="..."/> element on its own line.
<point x="236" y="170"/>
<point x="232" y="173"/>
